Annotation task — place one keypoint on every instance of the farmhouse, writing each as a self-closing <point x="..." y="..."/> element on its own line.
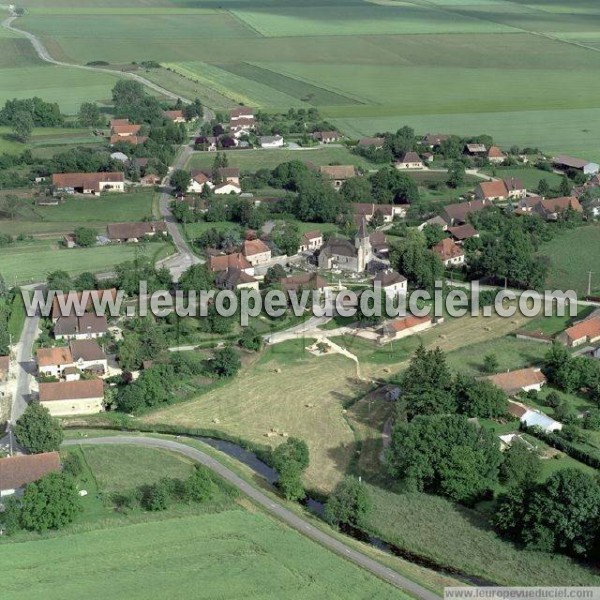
<point x="326" y="137"/>
<point x="450" y="253"/>
<point x="495" y="155"/>
<point x="17" y="471"/>
<point x="337" y="174"/>
<point x="242" y="126"/>
<point x="243" y="112"/>
<point x="491" y="190"/>
<point x="304" y="281"/>
<point x="460" y="233"/>
<point x="391" y="282"/>
<point x="437" y="220"/>
<point x="515" y="188"/>
<point x="235" y="279"/>
<point x="433" y="140"/>
<point x="225" y="261"/>
<point x="410" y="160"/>
<point x="371" y="142"/>
<point x="88" y="326"/>
<point x="229" y="175"/>
<point x="52" y="362"/>
<point x="475" y="149"/>
<point x="256" y="252"/>
<point x="83" y="397"/>
<point x="456" y="214"/>
<point x="271" y="141"/>
<point x="150" y="179"/>
<point x="584" y="332"/>
<point x="89" y="356"/>
<point x="367" y="210"/>
<point x="403" y="327"/>
<point x="521" y="380"/>
<point x="339" y="253"/>
<point x="72" y="301"/>
<point x="125" y="130"/>
<point x="551" y="208"/>
<point x="311" y="241"/>
<point x="133" y="232"/>
<point x="198" y="182"/>
<point x="565" y="163"/>
<point x="88" y="183"/>
<point x="176" y="116"/>
<point x="118" y="122"/>
<point x="533" y="418"/>
<point x="134" y="140"/>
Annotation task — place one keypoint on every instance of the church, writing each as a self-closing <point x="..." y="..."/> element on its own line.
<point x="339" y="253"/>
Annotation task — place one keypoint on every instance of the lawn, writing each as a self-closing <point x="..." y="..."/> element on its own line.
<point x="231" y="554"/>
<point x="27" y="262"/>
<point x="572" y="255"/>
<point x="530" y="176"/>
<point x="253" y="160"/>
<point x="44" y="138"/>
<point x="274" y="394"/>
<point x="459" y="538"/>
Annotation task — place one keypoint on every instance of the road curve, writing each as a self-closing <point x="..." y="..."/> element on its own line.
<point x="273" y="507"/>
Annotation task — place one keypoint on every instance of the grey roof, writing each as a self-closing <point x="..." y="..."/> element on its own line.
<point x="339" y="246"/>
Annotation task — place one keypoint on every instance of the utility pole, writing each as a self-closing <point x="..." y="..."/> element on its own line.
<point x="590" y="283"/>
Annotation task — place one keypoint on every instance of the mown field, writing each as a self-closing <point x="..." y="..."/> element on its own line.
<point x="572" y="255"/>
<point x="494" y="66"/>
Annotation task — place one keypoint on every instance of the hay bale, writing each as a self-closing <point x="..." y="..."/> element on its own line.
<point x="487" y="328"/>
<point x="217" y="421"/>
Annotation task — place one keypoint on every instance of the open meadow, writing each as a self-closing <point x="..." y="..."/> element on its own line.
<point x="444" y="65"/>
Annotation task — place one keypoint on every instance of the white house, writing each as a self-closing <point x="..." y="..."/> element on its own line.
<point x="311" y="241"/>
<point x="391" y="282"/>
<point x="271" y="141"/>
<point x="64" y="398"/>
<point x="256" y="252"/>
<point x="410" y="160"/>
<point x="53" y="361"/>
<point x="227" y="188"/>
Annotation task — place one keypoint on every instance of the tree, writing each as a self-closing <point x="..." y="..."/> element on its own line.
<point x="490" y="363"/>
<point x="157" y="496"/>
<point x="180" y="180"/>
<point x="37" y="431"/>
<point x="3" y="287"/>
<point x="22" y="125"/>
<point x="565" y="187"/>
<point x="543" y="188"/>
<point x="390" y="186"/>
<point x="89" y="115"/>
<point x="251" y="339"/>
<point x="479" y="398"/>
<point x="291" y="459"/>
<point x="200" y="485"/>
<point x="198" y="278"/>
<point x="59" y="281"/>
<point x="433" y="234"/>
<point x="11" y="205"/>
<point x="274" y="274"/>
<point x="349" y="504"/>
<point x="445" y="454"/>
<point x="85" y="281"/>
<point x="50" y="503"/>
<point x="287" y="238"/>
<point x="521" y="464"/>
<point x="356" y="189"/>
<point x="226" y="362"/>
<point x="456" y="174"/>
<point x="85" y="237"/>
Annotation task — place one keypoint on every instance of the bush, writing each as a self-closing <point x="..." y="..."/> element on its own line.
<point x="73" y="464"/>
<point x="37" y="430"/>
<point x="350" y="504"/>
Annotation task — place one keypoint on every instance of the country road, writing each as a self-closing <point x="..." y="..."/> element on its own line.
<point x="274" y="508"/>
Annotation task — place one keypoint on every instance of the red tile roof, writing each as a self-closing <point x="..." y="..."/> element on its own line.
<point x="495" y="152"/>
<point x="225" y="261"/>
<point x="252" y="247"/>
<point x="447" y="249"/>
<point x="128" y="231"/>
<point x="88" y="181"/>
<point x="407" y="322"/>
<point x="173" y="114"/>
<point x="493" y="189"/>
<point x="514" y="381"/>
<point x="71" y="390"/>
<point x="338" y="171"/>
<point x="125" y="130"/>
<point x="18" y="471"/>
<point x="47" y="357"/>
<point x="589" y="329"/>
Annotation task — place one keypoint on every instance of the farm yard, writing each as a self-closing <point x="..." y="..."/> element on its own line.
<point x="445" y="65"/>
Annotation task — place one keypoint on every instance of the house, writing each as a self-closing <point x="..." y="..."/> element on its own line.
<point x="457" y="214"/>
<point x="521" y="380"/>
<point x="225" y="261"/>
<point x="125" y="130"/>
<point x="491" y="190"/>
<point x="134" y="140"/>
<point x="339" y="253"/>
<point x="88" y="183"/>
<point x="437" y="220"/>
<point x="208" y="142"/>
<point x="229" y="175"/>
<point x="450" y="253"/>
<point x="402" y="327"/>
<point x="533" y="418"/>
<point x="433" y="140"/>
<point x="88" y="326"/>
<point x="584" y="332"/>
<point x="371" y="142"/>
<point x="326" y="137"/>
<point x="118" y="122"/>
<point x="4" y="367"/>
<point x="69" y="241"/>
<point x="507" y="440"/>
<point x="495" y="155"/>
<point x="71" y="301"/>
<point x="515" y="188"/>
<point x="235" y="279"/>
<point x="65" y="398"/>
<point x="566" y="163"/>
<point x="199" y="180"/>
<point x="475" y="149"/>
<point x="242" y="126"/>
<point x="391" y="282"/>
<point x="133" y="232"/>
<point x="460" y="233"/>
<point x="271" y="141"/>
<point x="227" y="188"/>
<point x="311" y="241"/>
<point x="18" y="471"/>
<point x="379" y="242"/>
<point x="410" y="160"/>
<point x="150" y="179"/>
<point x="256" y="252"/>
<point x="52" y="362"/>
<point x="89" y="356"/>
<point x="176" y="116"/>
<point x="304" y="281"/>
<point x="240" y="113"/>
<point x="337" y="174"/>
<point x="367" y="210"/>
<point x="551" y="208"/>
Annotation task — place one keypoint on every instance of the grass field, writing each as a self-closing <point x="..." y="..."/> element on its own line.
<point x="530" y="176"/>
<point x="27" y="262"/>
<point x="232" y="554"/>
<point x="459" y="538"/>
<point x="572" y="256"/>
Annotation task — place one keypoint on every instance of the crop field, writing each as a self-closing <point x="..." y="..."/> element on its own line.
<point x="44" y="139"/>
<point x="27" y="262"/>
<point x="572" y="256"/>
<point x="230" y="554"/>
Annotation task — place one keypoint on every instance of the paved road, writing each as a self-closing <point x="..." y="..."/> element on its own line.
<point x="290" y="518"/>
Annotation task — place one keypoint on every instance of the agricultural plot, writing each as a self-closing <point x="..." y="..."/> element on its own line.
<point x="230" y="554"/>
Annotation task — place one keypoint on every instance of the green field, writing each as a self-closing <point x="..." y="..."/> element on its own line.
<point x="232" y="554"/>
<point x="572" y="256"/>
<point x="27" y="262"/>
